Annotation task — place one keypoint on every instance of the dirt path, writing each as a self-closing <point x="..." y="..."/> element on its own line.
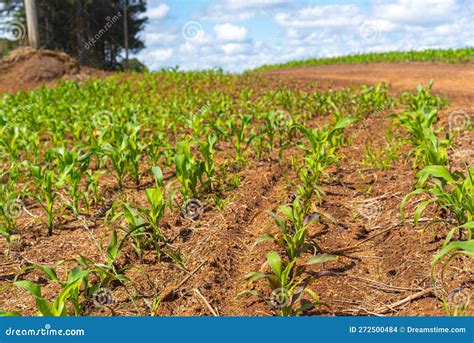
<point x="453" y="80"/>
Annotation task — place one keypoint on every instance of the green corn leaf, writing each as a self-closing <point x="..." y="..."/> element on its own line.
<point x="342" y="123"/>
<point x="76" y="274"/>
<point x="405" y="200"/>
<point x="421" y="207"/>
<point x="275" y="262"/>
<point x="158" y="175"/>
<point x="9" y="314"/>
<point x="436" y="171"/>
<point x="31" y="287"/>
<point x="464" y="247"/>
<point x="264" y="238"/>
<point x="321" y="259"/>
<point x="112" y="248"/>
<point x="255" y="276"/>
<point x="45" y="308"/>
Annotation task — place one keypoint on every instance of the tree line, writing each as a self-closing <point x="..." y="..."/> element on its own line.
<point x="92" y="31"/>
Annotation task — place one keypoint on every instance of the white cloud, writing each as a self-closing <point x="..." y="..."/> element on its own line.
<point x="153" y="38"/>
<point x="321" y="17"/>
<point x="228" y="10"/>
<point x="161" y="54"/>
<point x="229" y="32"/>
<point x="417" y="11"/>
<point x="157" y="13"/>
<point x="234" y="48"/>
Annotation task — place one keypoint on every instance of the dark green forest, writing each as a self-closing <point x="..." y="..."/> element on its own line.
<point x="92" y="31"/>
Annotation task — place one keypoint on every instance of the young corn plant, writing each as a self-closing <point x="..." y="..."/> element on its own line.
<point x="381" y="157"/>
<point x="118" y="156"/>
<point x="144" y="223"/>
<point x="152" y="215"/>
<point x="453" y="194"/>
<point x="189" y="170"/>
<point x="134" y="225"/>
<point x="46" y="193"/>
<point x="71" y="167"/>
<point x="68" y="302"/>
<point x="160" y="150"/>
<point x="240" y="141"/>
<point x="319" y="155"/>
<point x="135" y="149"/>
<point x="207" y="149"/>
<point x="292" y="235"/>
<point x="447" y="254"/>
<point x="10" y="205"/>
<point x="287" y="284"/>
<point x="419" y="120"/>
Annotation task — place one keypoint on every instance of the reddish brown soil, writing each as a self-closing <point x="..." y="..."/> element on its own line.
<point x="381" y="261"/>
<point x="453" y="80"/>
<point x="26" y="68"/>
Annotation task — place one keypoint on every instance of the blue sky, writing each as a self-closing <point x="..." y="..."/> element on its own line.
<point x="243" y="34"/>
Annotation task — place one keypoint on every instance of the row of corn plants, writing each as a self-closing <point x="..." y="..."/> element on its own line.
<point x="451" y="191"/>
